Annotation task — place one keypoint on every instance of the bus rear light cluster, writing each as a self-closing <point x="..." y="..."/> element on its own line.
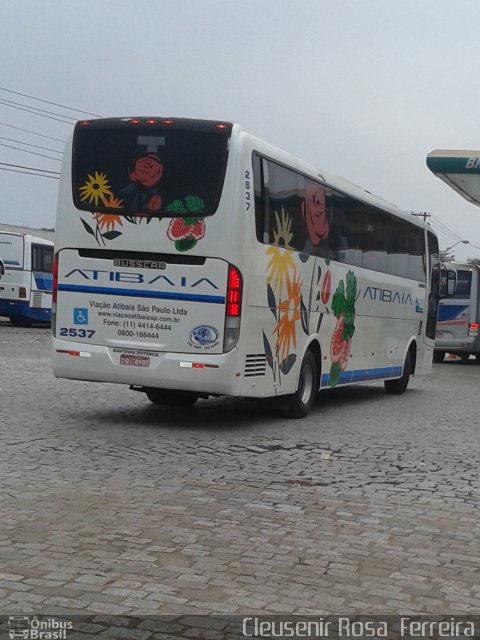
<point x="233" y="309"/>
<point x="22" y="293"/>
<point x="234" y="292"/>
<point x="473" y="328"/>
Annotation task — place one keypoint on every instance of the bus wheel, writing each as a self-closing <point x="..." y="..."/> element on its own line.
<point x="171" y="398"/>
<point x="464" y="356"/>
<point x="438" y="356"/>
<point x="300" y="403"/>
<point x="400" y="384"/>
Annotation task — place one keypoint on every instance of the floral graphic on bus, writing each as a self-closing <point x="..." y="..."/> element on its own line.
<point x="95" y="188"/>
<point x="314" y="213"/>
<point x="186" y="232"/>
<point x="343" y="307"/>
<point x="142" y="192"/>
<point x="284" y="299"/>
<point x="289" y="314"/>
<point x="281" y="254"/>
<point x="108" y="220"/>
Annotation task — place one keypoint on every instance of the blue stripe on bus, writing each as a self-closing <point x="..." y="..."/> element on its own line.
<point x="450" y="311"/>
<point x="43" y="281"/>
<point x="364" y="375"/>
<point x="137" y="293"/>
<point x="22" y="310"/>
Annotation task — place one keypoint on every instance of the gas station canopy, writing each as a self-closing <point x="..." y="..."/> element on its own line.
<point x="460" y="170"/>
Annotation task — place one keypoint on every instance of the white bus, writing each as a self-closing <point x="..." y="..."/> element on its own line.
<point x="458" y="324"/>
<point x="194" y="259"/>
<point x="25" y="278"/>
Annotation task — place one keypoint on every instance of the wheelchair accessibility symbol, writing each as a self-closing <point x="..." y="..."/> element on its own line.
<point x="80" y="316"/>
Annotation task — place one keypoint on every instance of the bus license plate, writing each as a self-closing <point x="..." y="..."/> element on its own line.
<point x="134" y="361"/>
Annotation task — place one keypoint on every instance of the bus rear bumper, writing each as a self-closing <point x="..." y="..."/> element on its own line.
<point x="456" y="344"/>
<point x="201" y="373"/>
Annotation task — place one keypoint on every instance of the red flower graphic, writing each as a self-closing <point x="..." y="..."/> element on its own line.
<point x="315" y="214"/>
<point x="146" y="170"/>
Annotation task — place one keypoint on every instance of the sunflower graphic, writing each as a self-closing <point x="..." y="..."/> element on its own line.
<point x="289" y="310"/>
<point x="281" y="256"/>
<point x="95" y="188"/>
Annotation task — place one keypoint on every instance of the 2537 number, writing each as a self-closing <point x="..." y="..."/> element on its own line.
<point x="76" y="333"/>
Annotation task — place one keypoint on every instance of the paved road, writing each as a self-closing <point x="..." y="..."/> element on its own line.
<point x="112" y="506"/>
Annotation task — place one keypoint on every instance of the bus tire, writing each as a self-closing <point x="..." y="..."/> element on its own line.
<point x="300" y="402"/>
<point x="399" y="385"/>
<point x="464" y="356"/>
<point x="438" y="356"/>
<point x="171" y="398"/>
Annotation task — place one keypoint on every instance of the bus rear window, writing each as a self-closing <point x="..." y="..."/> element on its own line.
<point x="464" y="283"/>
<point x="148" y="167"/>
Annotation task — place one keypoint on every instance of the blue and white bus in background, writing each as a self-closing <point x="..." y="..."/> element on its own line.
<point x="25" y="278"/>
<point x="458" y="324"/>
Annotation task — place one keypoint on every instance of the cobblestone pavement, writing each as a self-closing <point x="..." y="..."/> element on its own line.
<point x="113" y="506"/>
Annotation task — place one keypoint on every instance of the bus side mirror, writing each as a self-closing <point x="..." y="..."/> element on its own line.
<point x="2" y="268"/>
<point x="448" y="282"/>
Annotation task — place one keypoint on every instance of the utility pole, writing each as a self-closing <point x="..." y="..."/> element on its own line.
<point x="423" y="214"/>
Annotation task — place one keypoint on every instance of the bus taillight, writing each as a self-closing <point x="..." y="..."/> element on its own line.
<point x="22" y="292"/>
<point x="234" y="292"/>
<point x="473" y="328"/>
<point x="233" y="308"/>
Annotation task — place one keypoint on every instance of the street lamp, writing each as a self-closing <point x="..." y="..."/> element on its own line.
<point x="445" y="251"/>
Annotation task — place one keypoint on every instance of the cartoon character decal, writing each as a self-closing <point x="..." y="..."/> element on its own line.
<point x="142" y="192"/>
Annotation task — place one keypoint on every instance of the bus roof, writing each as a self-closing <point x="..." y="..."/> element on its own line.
<point x="28" y="236"/>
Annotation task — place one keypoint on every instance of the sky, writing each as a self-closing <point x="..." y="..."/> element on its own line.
<point x="363" y="89"/>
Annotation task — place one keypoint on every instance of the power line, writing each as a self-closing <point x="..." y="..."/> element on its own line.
<point x="35" y="133"/>
<point x="12" y="103"/>
<point x="21" y="166"/>
<point x="30" y="173"/>
<point x="28" y="144"/>
<point x="444" y="229"/>
<point x="55" y="104"/>
<point x="33" y="153"/>
<point x="37" y="113"/>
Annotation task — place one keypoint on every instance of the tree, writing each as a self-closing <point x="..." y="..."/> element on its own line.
<point x="474" y="261"/>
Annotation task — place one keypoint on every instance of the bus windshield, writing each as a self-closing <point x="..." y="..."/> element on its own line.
<point x="161" y="168"/>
